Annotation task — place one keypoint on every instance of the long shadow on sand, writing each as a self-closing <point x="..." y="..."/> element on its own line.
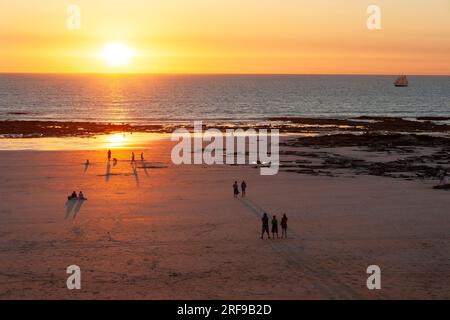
<point x="144" y="167"/>
<point x="135" y="173"/>
<point x="108" y="171"/>
<point x="74" y="205"/>
<point x="69" y="206"/>
<point x="77" y="208"/>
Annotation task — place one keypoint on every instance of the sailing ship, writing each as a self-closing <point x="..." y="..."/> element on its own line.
<point x="401" y="81"/>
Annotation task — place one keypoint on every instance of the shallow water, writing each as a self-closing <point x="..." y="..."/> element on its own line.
<point x="106" y="141"/>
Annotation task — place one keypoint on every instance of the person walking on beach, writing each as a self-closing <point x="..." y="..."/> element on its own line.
<point x="284" y="220"/>
<point x="132" y="157"/>
<point x="109" y="155"/>
<point x="265" y="226"/>
<point x="274" y="227"/>
<point x="142" y="156"/>
<point x="243" y="187"/>
<point x="235" y="189"/>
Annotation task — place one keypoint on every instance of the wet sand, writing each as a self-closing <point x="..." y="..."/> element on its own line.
<point x="176" y="232"/>
<point x="33" y="129"/>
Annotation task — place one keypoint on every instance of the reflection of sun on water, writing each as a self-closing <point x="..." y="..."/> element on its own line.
<point x="119" y="140"/>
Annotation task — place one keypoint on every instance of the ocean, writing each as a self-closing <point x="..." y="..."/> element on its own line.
<point x="158" y="98"/>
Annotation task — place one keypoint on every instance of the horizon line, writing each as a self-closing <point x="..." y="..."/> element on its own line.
<point x="223" y="74"/>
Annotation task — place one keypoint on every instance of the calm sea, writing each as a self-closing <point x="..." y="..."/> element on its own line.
<point x="148" y="98"/>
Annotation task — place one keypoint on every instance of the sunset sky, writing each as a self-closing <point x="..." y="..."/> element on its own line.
<point x="232" y="36"/>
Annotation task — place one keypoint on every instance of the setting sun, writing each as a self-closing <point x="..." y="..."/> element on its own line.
<point x="117" y="54"/>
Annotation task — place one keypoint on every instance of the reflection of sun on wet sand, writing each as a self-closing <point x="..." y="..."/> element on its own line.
<point x="177" y="231"/>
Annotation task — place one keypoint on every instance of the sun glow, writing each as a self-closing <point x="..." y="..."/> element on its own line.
<point x="117" y="54"/>
<point x="117" y="140"/>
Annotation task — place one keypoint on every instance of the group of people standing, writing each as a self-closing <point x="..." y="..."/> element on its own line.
<point x="236" y="188"/>
<point x="133" y="157"/>
<point x="265" y="226"/>
<point x="265" y="217"/>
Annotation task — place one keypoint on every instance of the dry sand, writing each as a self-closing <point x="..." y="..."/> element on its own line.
<point x="178" y="233"/>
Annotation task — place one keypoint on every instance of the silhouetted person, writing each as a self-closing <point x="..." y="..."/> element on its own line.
<point x="243" y="187"/>
<point x="132" y="157"/>
<point x="235" y="189"/>
<point x="81" y="196"/>
<point x="274" y="227"/>
<point x="73" y="196"/>
<point x="142" y="156"/>
<point x="284" y="220"/>
<point x="109" y="155"/>
<point x="265" y="226"/>
<point x="86" y="165"/>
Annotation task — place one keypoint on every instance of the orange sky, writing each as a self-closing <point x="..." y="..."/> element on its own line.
<point x="232" y="36"/>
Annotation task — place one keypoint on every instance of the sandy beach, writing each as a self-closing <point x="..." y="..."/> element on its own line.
<point x="255" y="156"/>
<point x="176" y="232"/>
